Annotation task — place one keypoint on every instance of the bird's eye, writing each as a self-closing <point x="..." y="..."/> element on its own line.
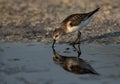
<point x="56" y="36"/>
<point x="56" y="57"/>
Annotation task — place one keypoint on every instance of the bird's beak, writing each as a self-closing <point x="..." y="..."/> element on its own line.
<point x="54" y="41"/>
<point x="53" y="50"/>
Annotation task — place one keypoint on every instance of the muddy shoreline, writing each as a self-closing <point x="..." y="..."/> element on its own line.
<point x="33" y="21"/>
<point x="32" y="63"/>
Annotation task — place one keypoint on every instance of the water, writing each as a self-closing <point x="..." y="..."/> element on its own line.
<point x="32" y="63"/>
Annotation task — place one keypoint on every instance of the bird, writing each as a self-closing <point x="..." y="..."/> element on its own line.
<point x="73" y="64"/>
<point x="73" y="23"/>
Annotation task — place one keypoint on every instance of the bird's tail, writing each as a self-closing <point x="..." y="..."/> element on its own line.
<point x="92" y="12"/>
<point x="95" y="73"/>
<point x="97" y="9"/>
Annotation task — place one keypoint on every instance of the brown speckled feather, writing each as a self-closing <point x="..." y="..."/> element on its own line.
<point x="76" y="19"/>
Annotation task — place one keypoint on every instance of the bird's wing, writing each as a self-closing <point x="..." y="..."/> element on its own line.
<point x="75" y="19"/>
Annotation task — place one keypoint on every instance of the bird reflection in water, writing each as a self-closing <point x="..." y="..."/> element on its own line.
<point x="73" y="64"/>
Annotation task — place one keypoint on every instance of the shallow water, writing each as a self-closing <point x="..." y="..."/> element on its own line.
<point x="32" y="63"/>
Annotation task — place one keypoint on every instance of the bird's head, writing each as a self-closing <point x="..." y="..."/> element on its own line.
<point x="57" y="34"/>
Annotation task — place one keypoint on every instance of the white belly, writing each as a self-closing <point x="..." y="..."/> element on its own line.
<point x="80" y="26"/>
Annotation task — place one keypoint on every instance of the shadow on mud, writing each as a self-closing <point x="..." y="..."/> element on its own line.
<point x="106" y="35"/>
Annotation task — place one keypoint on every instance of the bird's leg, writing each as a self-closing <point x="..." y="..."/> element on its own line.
<point x="78" y="39"/>
<point x="79" y="51"/>
<point x="79" y="36"/>
<point x="74" y="47"/>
